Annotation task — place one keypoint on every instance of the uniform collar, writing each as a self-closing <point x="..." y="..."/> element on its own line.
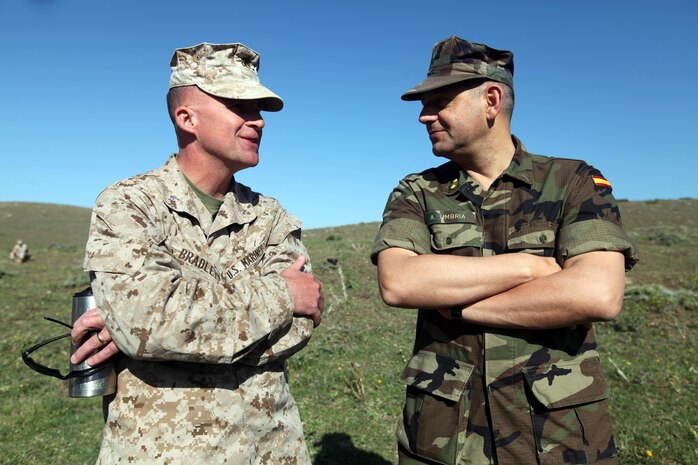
<point x="177" y="193"/>
<point x="238" y="204"/>
<point x="521" y="168"/>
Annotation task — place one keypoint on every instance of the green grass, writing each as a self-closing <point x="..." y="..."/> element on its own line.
<point x="39" y="424"/>
<point x="666" y="231"/>
<point x="345" y="381"/>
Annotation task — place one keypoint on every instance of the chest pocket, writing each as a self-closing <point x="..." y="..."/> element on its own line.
<point x="445" y="236"/>
<point x="535" y="237"/>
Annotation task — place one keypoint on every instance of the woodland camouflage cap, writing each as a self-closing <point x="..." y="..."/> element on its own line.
<point x="456" y="60"/>
<point x="223" y="70"/>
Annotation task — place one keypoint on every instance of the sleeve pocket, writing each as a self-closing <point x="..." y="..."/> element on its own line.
<point x="286" y="225"/>
<point x="436" y="407"/>
<point x="115" y="258"/>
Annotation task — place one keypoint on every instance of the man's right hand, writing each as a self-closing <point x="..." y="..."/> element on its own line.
<point x="306" y="290"/>
<point x="91" y="321"/>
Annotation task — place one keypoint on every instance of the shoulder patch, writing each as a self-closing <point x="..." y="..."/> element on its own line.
<point x="600" y="181"/>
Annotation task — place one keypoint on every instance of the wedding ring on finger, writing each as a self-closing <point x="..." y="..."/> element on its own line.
<point x="99" y="338"/>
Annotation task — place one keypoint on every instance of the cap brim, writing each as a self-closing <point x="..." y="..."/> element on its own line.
<point x="272" y="103"/>
<point x="436" y="82"/>
<point x="269" y="101"/>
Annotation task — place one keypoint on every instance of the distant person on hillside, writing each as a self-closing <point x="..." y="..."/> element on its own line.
<point x="510" y="257"/>
<point x="20" y="252"/>
<point x="204" y="285"/>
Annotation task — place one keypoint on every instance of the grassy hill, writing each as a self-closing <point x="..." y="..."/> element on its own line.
<point x="346" y="380"/>
<point x="42" y="225"/>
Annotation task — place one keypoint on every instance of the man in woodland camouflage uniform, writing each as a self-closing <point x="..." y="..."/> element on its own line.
<point x="510" y="257"/>
<point x="202" y="285"/>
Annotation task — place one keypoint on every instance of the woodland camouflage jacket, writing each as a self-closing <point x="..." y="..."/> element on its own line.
<point x="480" y="395"/>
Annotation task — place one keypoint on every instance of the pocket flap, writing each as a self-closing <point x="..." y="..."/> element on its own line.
<point x="534" y="234"/>
<point x="451" y="235"/>
<point x="567" y="383"/>
<point x="437" y="375"/>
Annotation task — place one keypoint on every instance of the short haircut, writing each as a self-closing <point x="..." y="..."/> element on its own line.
<point x="507" y="97"/>
<point x="508" y="100"/>
<point x="174" y="99"/>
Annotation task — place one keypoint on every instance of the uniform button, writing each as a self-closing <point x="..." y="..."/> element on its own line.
<point x="449" y="240"/>
<point x="543" y="238"/>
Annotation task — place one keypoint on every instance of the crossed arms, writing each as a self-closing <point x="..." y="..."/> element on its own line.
<point x="155" y="310"/>
<point x="515" y="290"/>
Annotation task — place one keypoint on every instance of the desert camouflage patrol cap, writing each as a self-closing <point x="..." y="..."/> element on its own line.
<point x="223" y="70"/>
<point x="456" y="60"/>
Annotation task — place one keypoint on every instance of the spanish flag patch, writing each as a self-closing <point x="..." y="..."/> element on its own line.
<point x="601" y="181"/>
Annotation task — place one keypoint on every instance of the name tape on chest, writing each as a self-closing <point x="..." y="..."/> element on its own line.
<point x="186" y="256"/>
<point x="449" y="216"/>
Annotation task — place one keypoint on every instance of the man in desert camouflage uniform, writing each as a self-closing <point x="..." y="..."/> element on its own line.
<point x="202" y="286"/>
<point x="20" y="252"/>
<point x="510" y="257"/>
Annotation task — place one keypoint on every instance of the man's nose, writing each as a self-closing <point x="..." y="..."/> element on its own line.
<point x="427" y="116"/>
<point x="255" y="119"/>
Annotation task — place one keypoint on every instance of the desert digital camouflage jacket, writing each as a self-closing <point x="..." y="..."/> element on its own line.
<point x="480" y="395"/>
<point x="204" y="321"/>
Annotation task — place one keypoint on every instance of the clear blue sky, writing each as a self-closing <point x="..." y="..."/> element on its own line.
<point x="84" y="83"/>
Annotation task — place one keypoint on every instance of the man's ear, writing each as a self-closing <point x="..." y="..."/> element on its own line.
<point x="186" y="119"/>
<point x="494" y="95"/>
